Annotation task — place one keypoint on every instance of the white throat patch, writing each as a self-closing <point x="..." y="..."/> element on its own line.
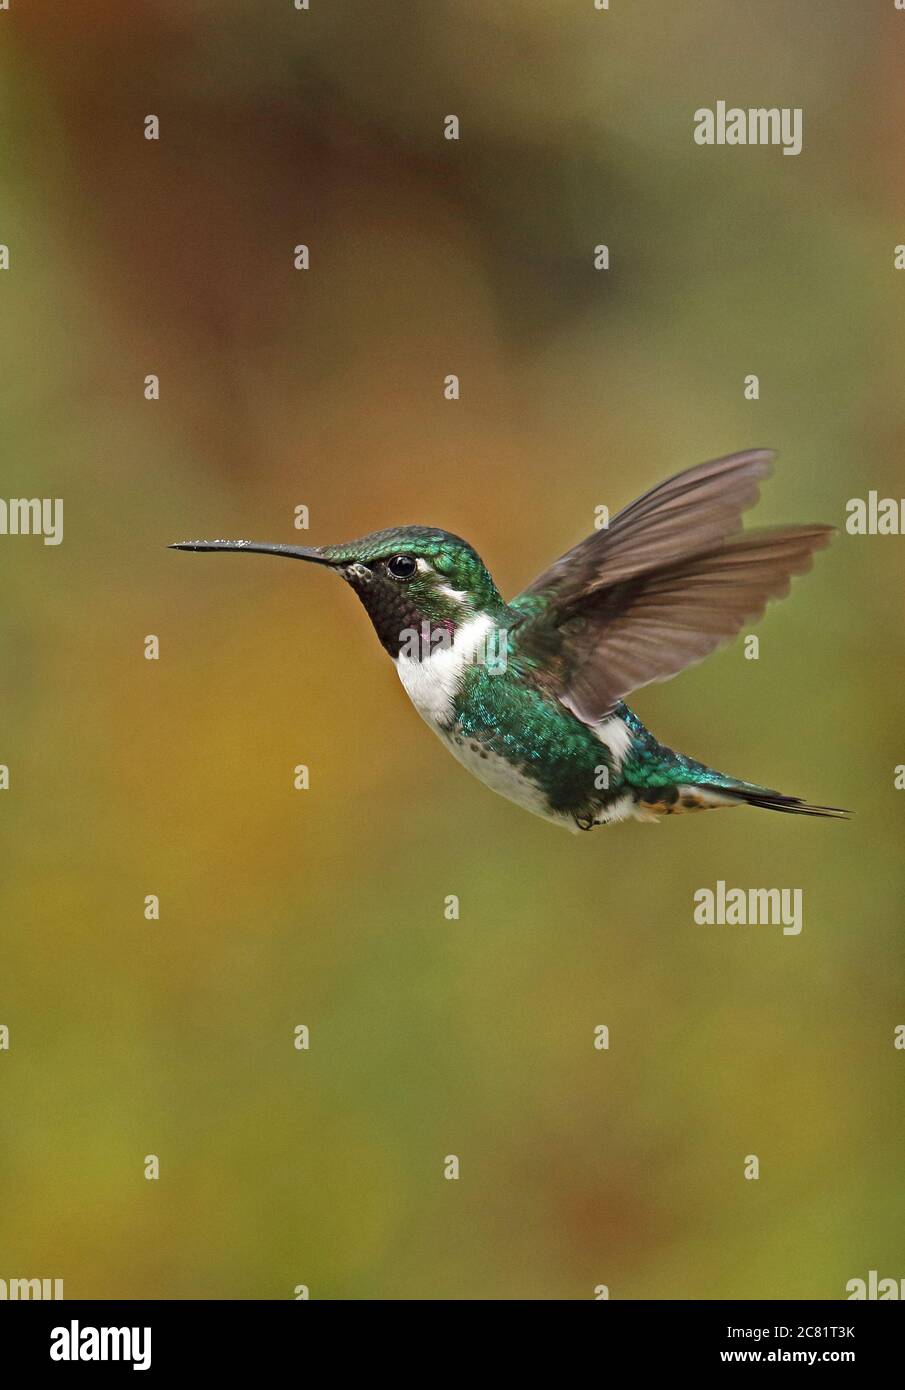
<point x="432" y="684"/>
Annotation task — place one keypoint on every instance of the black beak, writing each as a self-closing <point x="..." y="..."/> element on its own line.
<point x="293" y="552"/>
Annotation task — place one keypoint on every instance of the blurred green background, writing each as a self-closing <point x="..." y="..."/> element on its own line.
<point x="323" y="388"/>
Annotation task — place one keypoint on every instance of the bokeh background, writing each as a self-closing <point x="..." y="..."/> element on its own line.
<point x="323" y="388"/>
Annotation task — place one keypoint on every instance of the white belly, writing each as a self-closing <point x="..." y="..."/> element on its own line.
<point x="500" y="775"/>
<point x="432" y="685"/>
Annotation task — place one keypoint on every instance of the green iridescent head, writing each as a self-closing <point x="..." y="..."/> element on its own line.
<point x="405" y="576"/>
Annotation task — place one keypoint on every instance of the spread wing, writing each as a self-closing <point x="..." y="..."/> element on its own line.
<point x="669" y="580"/>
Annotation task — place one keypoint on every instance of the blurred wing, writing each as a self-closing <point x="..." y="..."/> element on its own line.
<point x="646" y="627"/>
<point x="688" y="513"/>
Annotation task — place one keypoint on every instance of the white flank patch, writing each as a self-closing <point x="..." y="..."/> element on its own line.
<point x="432" y="684"/>
<point x="617" y="810"/>
<point x="614" y="734"/>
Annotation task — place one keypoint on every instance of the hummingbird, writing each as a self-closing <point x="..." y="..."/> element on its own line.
<point x="529" y="695"/>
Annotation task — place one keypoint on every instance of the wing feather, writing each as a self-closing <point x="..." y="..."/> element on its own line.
<point x="671" y="578"/>
<point x="687" y="513"/>
<point x="653" y="626"/>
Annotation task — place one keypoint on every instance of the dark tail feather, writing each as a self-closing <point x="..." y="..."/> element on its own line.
<point x="793" y="805"/>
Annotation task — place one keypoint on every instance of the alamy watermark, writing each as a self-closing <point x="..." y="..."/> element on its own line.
<point x="874" y="515"/>
<point x="739" y="907"/>
<point x="23" y="1289"/>
<point x="490" y="650"/>
<point x="752" y="125"/>
<point x="82" y="1343"/>
<point x="32" y="516"/>
<point x="875" y="1288"/>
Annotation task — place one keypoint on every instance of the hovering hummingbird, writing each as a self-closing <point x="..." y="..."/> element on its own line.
<point x="528" y="695"/>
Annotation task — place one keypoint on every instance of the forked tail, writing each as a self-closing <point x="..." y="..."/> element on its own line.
<point x="664" y="782"/>
<point x="775" y="801"/>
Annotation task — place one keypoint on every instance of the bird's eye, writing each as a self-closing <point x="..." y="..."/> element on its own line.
<point x="402" y="566"/>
